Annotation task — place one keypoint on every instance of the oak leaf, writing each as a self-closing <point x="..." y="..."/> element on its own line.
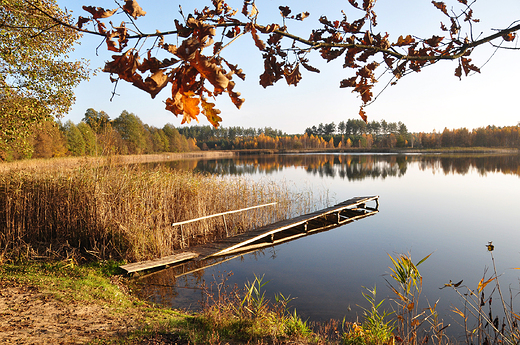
<point x="441" y="6"/>
<point x="184" y="104"/>
<point x="124" y="66"/>
<point x="363" y="114"/>
<point x="404" y="41"/>
<point x="99" y="12"/>
<point x="81" y="21"/>
<point x="302" y="16"/>
<point x="258" y="42"/>
<point x="153" y="84"/>
<point x="211" y="113"/>
<point x="284" y="11"/>
<point x="309" y="67"/>
<point x="350" y="82"/>
<point x="133" y="9"/>
<point x="292" y="75"/>
<point x="268" y="28"/>
<point x="434" y="41"/>
<point x="272" y="71"/>
<point x="211" y="71"/>
<point x="249" y="13"/>
<point x="236" y="70"/>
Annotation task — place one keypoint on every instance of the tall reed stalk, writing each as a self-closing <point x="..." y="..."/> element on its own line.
<point x="126" y="212"/>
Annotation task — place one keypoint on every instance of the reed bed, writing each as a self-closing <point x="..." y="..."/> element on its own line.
<point x="126" y="212"/>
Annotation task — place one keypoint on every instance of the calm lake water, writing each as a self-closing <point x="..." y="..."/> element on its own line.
<point x="451" y="205"/>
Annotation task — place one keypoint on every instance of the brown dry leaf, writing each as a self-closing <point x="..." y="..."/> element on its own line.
<point x="363" y="115"/>
<point x="211" y="71"/>
<point x="350" y="82"/>
<point x="268" y="28"/>
<point x="122" y="39"/>
<point x="284" y="11"/>
<point x="258" y="42"/>
<point x="441" y="6"/>
<point x="434" y="41"/>
<point x="292" y="75"/>
<point x="99" y="12"/>
<point x="302" y="16"/>
<point x="404" y="41"/>
<point x="309" y="67"/>
<point x="132" y="8"/>
<point x="81" y="21"/>
<point x="236" y="70"/>
<point x="235" y="96"/>
<point x="153" y="84"/>
<point x="124" y="66"/>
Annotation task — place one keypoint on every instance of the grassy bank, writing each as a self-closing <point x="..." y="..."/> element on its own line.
<point x="234" y="315"/>
<point x="117" y="211"/>
<point x="237" y="317"/>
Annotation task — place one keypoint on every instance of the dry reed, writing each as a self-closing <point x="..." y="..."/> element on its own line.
<point x="125" y="212"/>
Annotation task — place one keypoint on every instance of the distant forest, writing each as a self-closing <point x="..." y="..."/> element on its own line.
<point x="97" y="134"/>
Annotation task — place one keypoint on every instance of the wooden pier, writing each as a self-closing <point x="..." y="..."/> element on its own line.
<point x="266" y="236"/>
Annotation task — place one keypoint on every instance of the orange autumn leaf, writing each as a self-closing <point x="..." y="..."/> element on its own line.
<point x="191" y="108"/>
<point x="184" y="104"/>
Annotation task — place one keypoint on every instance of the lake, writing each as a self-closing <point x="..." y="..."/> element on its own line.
<point x="448" y="205"/>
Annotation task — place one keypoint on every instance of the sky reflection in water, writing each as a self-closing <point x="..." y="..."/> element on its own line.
<point x="449" y="205"/>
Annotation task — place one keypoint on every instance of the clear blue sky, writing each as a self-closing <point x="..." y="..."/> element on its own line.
<point x="430" y="100"/>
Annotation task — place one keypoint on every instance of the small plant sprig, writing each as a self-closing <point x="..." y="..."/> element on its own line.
<point x="376" y="329"/>
<point x="489" y="328"/>
<point x="408" y="291"/>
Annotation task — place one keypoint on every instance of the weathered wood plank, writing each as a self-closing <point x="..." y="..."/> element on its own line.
<point x="167" y="260"/>
<point x="245" y="239"/>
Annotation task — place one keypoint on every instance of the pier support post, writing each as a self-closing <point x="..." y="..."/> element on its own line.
<point x="182" y="238"/>
<point x="225" y="225"/>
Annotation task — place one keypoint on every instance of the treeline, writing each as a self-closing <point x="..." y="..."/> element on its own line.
<point x="98" y="135"/>
<point x="350" y="134"/>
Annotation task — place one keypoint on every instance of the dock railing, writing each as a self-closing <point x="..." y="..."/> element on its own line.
<point x="223" y="214"/>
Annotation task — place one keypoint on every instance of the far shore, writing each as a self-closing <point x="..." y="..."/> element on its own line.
<point x="70" y="162"/>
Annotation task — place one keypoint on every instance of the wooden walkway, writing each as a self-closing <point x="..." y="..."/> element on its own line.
<point x="279" y="232"/>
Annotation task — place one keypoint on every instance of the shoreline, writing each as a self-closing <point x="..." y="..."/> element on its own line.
<point x="376" y="151"/>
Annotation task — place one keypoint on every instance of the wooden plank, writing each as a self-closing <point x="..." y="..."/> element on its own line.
<point x="243" y="240"/>
<point x="223" y="213"/>
<point x="167" y="260"/>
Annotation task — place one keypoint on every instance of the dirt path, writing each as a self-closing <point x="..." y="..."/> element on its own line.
<point x="28" y="316"/>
